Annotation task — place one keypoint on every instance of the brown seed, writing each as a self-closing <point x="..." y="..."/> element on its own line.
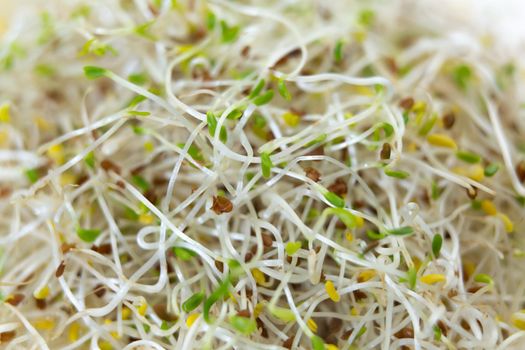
<point x="41" y="303"/>
<point x="99" y="290"/>
<point x="108" y="165"/>
<point x="358" y="295"/>
<point x="7" y="336"/>
<point x="391" y="65"/>
<point x="60" y="269"/>
<point x="318" y="151"/>
<point x="347" y="334"/>
<point x="520" y="170"/>
<point x="245" y="51"/>
<point x="406" y="103"/>
<point x="472" y="192"/>
<point x="103" y="249"/>
<point x="248" y="257"/>
<point x="385" y="151"/>
<point x="244" y="313"/>
<point x="406" y="332"/>
<point x="443" y="327"/>
<point x="15" y="299"/>
<point x="448" y="120"/>
<point x="312" y="174"/>
<point x="260" y="325"/>
<point x="288" y="343"/>
<point x="66" y="247"/>
<point x="339" y="187"/>
<point x="267" y="240"/>
<point x="294" y="53"/>
<point x="221" y="205"/>
<point x="219" y="265"/>
<point x="4" y="192"/>
<point x="474" y="289"/>
<point x="162" y="311"/>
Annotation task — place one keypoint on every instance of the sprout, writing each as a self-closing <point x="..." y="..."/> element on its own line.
<point x="282" y="314"/>
<point x="5" y="117"/>
<point x="483" y="278"/>
<point x="291" y="119"/>
<point x="212" y="126"/>
<point x="245" y="325"/>
<point x="219" y="293"/>
<point x="266" y="164"/>
<point x="283" y="90"/>
<point x="229" y="33"/>
<point x="491" y="169"/>
<point x="398" y="174"/>
<point x="264" y="98"/>
<point x="193" y="302"/>
<point x="88" y="235"/>
<point x="441" y="140"/>
<point x="317" y="343"/>
<point x="437" y="242"/>
<point x="92" y="72"/>
<point x="184" y="254"/>
<point x="334" y="199"/>
<point x="461" y="76"/>
<point x="257" y="89"/>
<point x="488" y="207"/>
<point x="32" y="175"/>
<point x="468" y="157"/>
<point x="292" y="247"/>
<point x="433" y="278"/>
<point x="338" y="51"/>
<point x="331" y="291"/>
<point x="401" y="231"/>
<point x="141" y="183"/>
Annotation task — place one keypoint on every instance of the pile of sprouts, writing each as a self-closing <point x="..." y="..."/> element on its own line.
<point x="190" y="174"/>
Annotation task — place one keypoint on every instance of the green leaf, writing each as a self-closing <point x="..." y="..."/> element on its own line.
<point x="398" y="174"/>
<point x="212" y="126"/>
<point x="229" y="34"/>
<point x="131" y="214"/>
<point x="388" y="129"/>
<point x="92" y="72"/>
<point x="139" y="113"/>
<point x="345" y="216"/>
<point x="338" y="51"/>
<point x="136" y="100"/>
<point x="193" y="302"/>
<point x="361" y="332"/>
<point x="282" y="313"/>
<point x="89" y="159"/>
<point x="184" y="254"/>
<point x="436" y="191"/>
<point x="193" y="151"/>
<point x="437" y="242"/>
<point x="366" y="17"/>
<point x="32" y="175"/>
<point x="437" y="333"/>
<point x="491" y="169"/>
<point x="319" y="139"/>
<point x="140" y="182"/>
<point x="210" y="20"/>
<point x="412" y="278"/>
<point x="257" y="89"/>
<point x="461" y="76"/>
<point x="401" y="231"/>
<point x="468" y="157"/>
<point x="334" y="199"/>
<point x="143" y="30"/>
<point x="235" y="114"/>
<point x="483" y="278"/>
<point x="264" y="98"/>
<point x="429" y="124"/>
<point x="292" y="247"/>
<point x="375" y="236"/>
<point x="88" y="235"/>
<point x="220" y="292"/>
<point x="266" y="165"/>
<point x="245" y="325"/>
<point x="317" y="342"/>
<point x="283" y="90"/>
<point x="138" y="79"/>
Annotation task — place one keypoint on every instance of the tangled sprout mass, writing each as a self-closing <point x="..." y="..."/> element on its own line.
<point x="258" y="175"/>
